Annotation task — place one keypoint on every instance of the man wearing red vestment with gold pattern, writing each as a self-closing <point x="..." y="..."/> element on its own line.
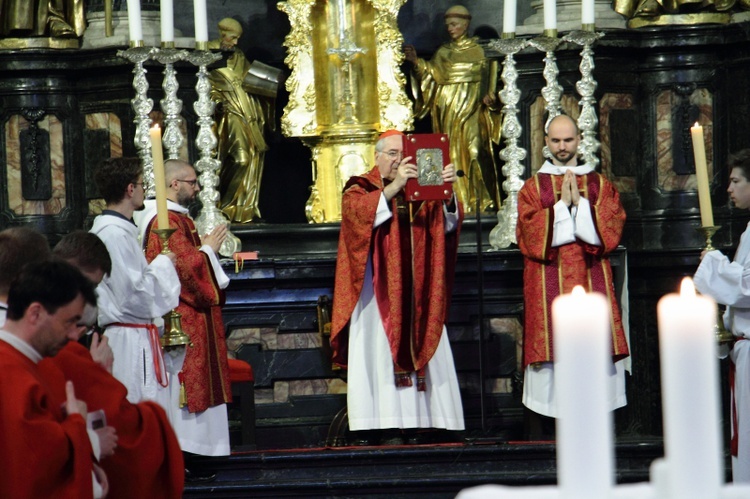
<point x="569" y="220"/>
<point x="200" y="418"/>
<point x="391" y="295"/>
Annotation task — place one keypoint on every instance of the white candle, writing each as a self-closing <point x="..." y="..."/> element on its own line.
<point x="167" y="20"/>
<point x="550" y="15"/>
<point x="509" y="16"/>
<point x="160" y="184"/>
<point x="134" y="20"/>
<point x="201" y="21"/>
<point x="583" y="360"/>
<point x="701" y="175"/>
<point x="690" y="393"/>
<point x="587" y="11"/>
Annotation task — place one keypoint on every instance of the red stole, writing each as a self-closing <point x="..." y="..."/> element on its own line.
<point x="206" y="368"/>
<point x="413" y="267"/>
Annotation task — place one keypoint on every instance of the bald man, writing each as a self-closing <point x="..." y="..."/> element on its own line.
<point x="200" y="418"/>
<point x="569" y="220"/>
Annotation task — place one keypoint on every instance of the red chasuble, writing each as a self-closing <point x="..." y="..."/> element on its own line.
<point x="148" y="461"/>
<point x="206" y="369"/>
<point x="42" y="453"/>
<point x="549" y="271"/>
<point x="413" y="267"/>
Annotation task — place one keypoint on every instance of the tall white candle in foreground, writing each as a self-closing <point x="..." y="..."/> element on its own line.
<point x="690" y="393"/>
<point x="587" y="11"/>
<point x="167" y="20"/>
<point x="583" y="360"/>
<point x="550" y="14"/>
<point x="201" y="20"/>
<point x="509" y="16"/>
<point x="160" y="184"/>
<point x="134" y="20"/>
<point x="701" y="175"/>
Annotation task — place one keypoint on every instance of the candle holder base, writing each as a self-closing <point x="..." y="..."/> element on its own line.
<point x="708" y="233"/>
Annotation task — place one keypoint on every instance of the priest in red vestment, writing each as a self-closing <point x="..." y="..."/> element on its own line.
<point x="393" y="281"/>
<point x="45" y="448"/>
<point x="200" y="418"/>
<point x="569" y="220"/>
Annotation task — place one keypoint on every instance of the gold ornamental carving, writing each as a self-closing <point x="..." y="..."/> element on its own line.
<point x="345" y="87"/>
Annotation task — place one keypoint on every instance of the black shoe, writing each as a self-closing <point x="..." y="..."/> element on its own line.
<point x="199" y="476"/>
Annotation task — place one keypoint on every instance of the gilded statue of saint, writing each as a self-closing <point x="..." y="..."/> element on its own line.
<point x="244" y="93"/>
<point x="651" y="8"/>
<point x="53" y="18"/>
<point x="457" y="87"/>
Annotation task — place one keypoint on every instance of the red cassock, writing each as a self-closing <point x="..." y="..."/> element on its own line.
<point x="42" y="454"/>
<point x="206" y="368"/>
<point x="549" y="272"/>
<point x="148" y="461"/>
<point x="406" y="256"/>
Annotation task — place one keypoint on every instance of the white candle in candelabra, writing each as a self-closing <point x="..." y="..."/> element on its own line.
<point x="167" y="20"/>
<point x="583" y="361"/>
<point x="509" y="16"/>
<point x="701" y="175"/>
<point x="160" y="184"/>
<point x="690" y="393"/>
<point x="201" y="21"/>
<point x="134" y="20"/>
<point x="550" y="15"/>
<point x="587" y="12"/>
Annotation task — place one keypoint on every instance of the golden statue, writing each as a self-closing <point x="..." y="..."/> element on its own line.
<point x="36" y="18"/>
<point x="665" y="12"/>
<point x="458" y="87"/>
<point x="244" y="92"/>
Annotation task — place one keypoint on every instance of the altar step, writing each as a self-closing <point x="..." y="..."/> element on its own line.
<point x="435" y="471"/>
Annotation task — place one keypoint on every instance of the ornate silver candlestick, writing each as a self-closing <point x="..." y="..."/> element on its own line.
<point x="171" y="106"/>
<point x="552" y="91"/>
<point x="504" y="233"/>
<point x="587" y="121"/>
<point x="142" y="105"/>
<point x="208" y="166"/>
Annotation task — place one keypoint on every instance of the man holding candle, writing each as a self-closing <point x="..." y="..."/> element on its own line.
<point x="200" y="418"/>
<point x="136" y="294"/>
<point x="457" y="87"/>
<point x="569" y="220"/>
<point x="728" y="282"/>
<point x="396" y="349"/>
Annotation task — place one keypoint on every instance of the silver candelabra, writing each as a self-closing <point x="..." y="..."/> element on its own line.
<point x="171" y="106"/>
<point x="552" y="91"/>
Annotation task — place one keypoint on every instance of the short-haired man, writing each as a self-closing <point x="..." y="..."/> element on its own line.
<point x="19" y="246"/>
<point x="201" y="420"/>
<point x="401" y="372"/>
<point x="728" y="282"/>
<point x="45" y="448"/>
<point x="134" y="297"/>
<point x="569" y="220"/>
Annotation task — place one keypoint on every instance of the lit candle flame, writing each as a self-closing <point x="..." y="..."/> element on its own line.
<point x="687" y="288"/>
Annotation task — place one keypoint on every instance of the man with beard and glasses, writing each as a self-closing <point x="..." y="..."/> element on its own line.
<point x="200" y="416"/>
<point x="136" y="294"/>
<point x="569" y="220"/>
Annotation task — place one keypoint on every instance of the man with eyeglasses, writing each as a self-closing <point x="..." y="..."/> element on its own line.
<point x="136" y="293"/>
<point x="200" y="418"/>
<point x="393" y="283"/>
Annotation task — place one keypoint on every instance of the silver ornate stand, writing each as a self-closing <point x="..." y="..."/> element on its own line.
<point x="504" y="233"/>
<point x="210" y="216"/>
<point x="171" y="106"/>
<point x="142" y="106"/>
<point x="587" y="121"/>
<point x="552" y="91"/>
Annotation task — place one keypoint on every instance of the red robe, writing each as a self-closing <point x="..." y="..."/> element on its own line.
<point x="206" y="368"/>
<point x="421" y="259"/>
<point x="42" y="453"/>
<point x="148" y="461"/>
<point x="549" y="271"/>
